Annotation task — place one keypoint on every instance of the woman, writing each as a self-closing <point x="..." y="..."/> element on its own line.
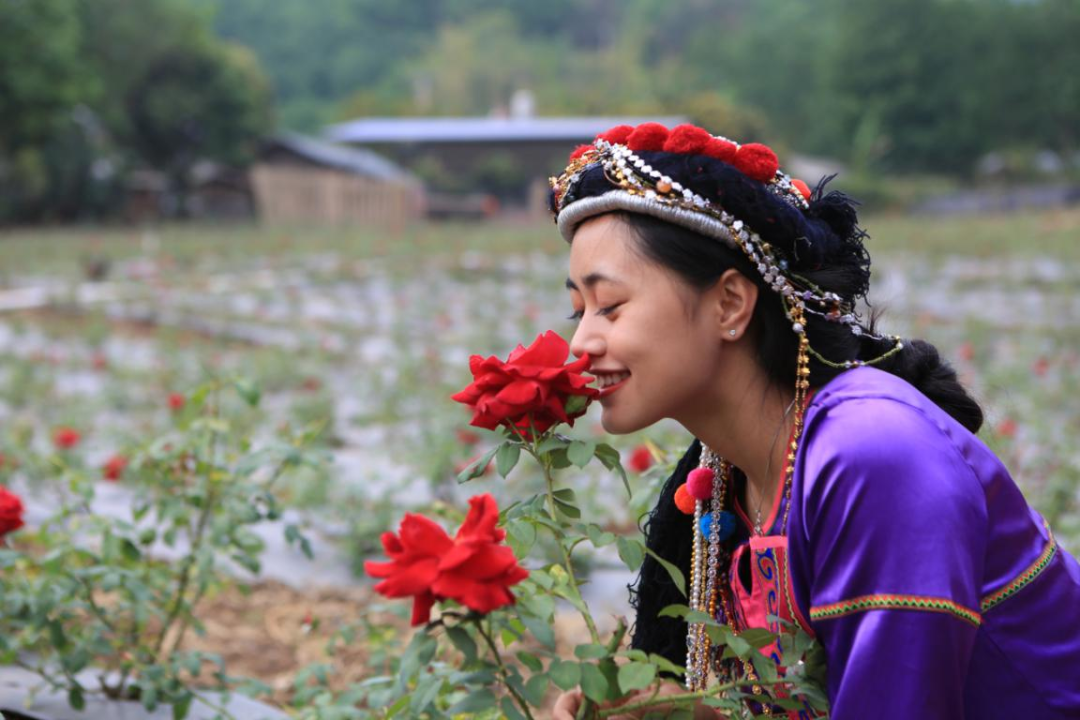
<point x="835" y="481"/>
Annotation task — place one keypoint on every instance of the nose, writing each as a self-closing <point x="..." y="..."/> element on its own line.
<point x="588" y="339"/>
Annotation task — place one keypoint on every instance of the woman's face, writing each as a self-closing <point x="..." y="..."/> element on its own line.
<point x="652" y="339"/>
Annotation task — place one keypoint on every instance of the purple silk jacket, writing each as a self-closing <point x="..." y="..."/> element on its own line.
<point x="935" y="590"/>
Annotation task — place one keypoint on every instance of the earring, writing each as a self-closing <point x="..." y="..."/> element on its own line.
<point x="731" y="333"/>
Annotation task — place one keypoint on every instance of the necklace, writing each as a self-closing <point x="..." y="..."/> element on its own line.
<point x="758" y="529"/>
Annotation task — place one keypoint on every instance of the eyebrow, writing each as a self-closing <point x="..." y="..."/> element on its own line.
<point x="590" y="280"/>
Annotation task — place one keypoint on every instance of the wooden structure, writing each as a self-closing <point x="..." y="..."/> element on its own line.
<point x="302" y="180"/>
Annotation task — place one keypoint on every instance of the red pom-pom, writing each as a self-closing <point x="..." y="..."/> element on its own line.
<point x="579" y="151"/>
<point x="684" y="501"/>
<point x="699" y="483"/>
<point x="722" y="150"/>
<point x="687" y="140"/>
<point x="647" y="136"/>
<point x="617" y="134"/>
<point x="802" y="187"/>
<point x="757" y="161"/>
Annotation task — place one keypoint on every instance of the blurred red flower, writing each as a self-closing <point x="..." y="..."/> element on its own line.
<point x="11" y="512"/>
<point x="176" y="401"/>
<point x="533" y="384"/>
<point x="966" y="351"/>
<point x="641" y="459"/>
<point x="66" y="438"/>
<point x="467" y="437"/>
<point x="114" y="467"/>
<point x="473" y="568"/>
<point x="1007" y="428"/>
<point x="1040" y="366"/>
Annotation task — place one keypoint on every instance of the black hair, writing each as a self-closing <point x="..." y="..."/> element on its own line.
<point x="822" y="246"/>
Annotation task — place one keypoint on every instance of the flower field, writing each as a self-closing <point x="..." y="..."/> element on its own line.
<point x="345" y="347"/>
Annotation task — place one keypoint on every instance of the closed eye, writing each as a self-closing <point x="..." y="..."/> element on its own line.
<point x="578" y="314"/>
<point x="608" y="310"/>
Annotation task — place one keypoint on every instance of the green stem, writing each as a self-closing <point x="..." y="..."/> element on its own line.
<point x="567" y="562"/>
<point x="196" y="544"/>
<point x="656" y="699"/>
<point x="522" y="702"/>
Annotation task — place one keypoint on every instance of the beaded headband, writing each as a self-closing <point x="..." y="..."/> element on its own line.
<point x="640" y="188"/>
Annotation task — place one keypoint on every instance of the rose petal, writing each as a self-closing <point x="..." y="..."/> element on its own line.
<point x="421" y="609"/>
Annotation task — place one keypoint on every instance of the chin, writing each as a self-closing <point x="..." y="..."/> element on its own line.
<point x="615" y="425"/>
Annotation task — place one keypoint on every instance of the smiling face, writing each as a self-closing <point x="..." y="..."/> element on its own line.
<point x="654" y="342"/>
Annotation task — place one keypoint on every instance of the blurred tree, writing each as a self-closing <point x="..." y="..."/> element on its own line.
<point x="122" y="38"/>
<point x="198" y="103"/>
<point x="42" y="79"/>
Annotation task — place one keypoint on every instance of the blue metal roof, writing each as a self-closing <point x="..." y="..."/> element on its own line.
<point x="352" y="159"/>
<point x="481" y="129"/>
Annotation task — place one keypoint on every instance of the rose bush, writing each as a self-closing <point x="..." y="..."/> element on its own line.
<point x="459" y="664"/>
<point x="533" y="386"/>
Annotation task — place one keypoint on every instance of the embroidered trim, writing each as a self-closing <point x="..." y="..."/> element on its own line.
<point x="796" y="614"/>
<point x="1025" y="578"/>
<point x="895" y="602"/>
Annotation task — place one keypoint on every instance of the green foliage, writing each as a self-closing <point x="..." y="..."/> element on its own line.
<point x="111" y="84"/>
<point x="887" y="85"/>
<point x="504" y="662"/>
<point x="97" y="593"/>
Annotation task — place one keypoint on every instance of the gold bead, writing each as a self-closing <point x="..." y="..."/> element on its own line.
<point x="663" y="187"/>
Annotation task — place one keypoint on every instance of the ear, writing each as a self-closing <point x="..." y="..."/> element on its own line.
<point x="733" y="297"/>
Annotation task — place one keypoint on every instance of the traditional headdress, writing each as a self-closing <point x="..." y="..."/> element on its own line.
<point x="738" y="195"/>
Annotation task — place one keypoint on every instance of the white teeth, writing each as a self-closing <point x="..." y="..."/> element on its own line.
<point x="607" y="380"/>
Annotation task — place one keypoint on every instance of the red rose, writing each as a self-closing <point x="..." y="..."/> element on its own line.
<point x="11" y="512"/>
<point x="425" y="564"/>
<point x="641" y="459"/>
<point x="114" y="467"/>
<point x="66" y="438"/>
<point x="176" y="401"/>
<point x="532" y="383"/>
<point x="478" y="571"/>
<point x="414" y="563"/>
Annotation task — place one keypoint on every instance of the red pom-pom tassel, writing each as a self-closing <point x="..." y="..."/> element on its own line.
<point x="687" y="140"/>
<point x="579" y="151"/>
<point x="684" y="501"/>
<point x="699" y="483"/>
<point x="647" y="136"/>
<point x="722" y="150"/>
<point x="802" y="187"/>
<point x="617" y="134"/>
<point x="757" y="161"/>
